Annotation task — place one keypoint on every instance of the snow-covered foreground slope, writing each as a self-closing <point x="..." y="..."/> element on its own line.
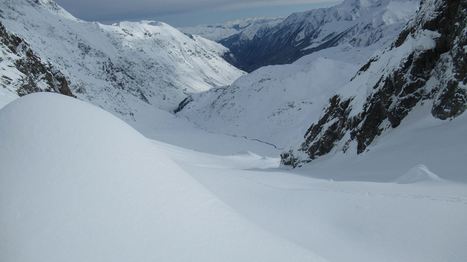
<point x="77" y="184"/>
<point x="125" y="68"/>
<point x="413" y="218"/>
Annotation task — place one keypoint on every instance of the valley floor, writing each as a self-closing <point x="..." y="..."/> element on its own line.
<point x="421" y="220"/>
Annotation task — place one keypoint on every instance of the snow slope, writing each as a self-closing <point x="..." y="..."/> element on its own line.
<point x="402" y="217"/>
<point x="348" y="221"/>
<point x="78" y="184"/>
<point x="281" y="101"/>
<point x="125" y="67"/>
<point x="424" y="70"/>
<point x="117" y="196"/>
<point x="273" y="104"/>
<point x="399" y="155"/>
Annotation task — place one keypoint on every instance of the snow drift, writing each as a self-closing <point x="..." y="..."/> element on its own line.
<point x="77" y="184"/>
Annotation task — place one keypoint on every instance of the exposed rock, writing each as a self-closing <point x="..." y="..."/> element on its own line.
<point x="435" y="72"/>
<point x="36" y="75"/>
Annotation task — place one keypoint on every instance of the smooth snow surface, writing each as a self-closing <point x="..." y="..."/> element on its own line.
<point x="418" y="174"/>
<point x="77" y="184"/>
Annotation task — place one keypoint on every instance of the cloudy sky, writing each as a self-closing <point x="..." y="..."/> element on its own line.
<point x="185" y="12"/>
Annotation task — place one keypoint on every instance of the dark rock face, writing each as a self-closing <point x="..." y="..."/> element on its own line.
<point x="339" y="111"/>
<point x="183" y="104"/>
<point x="275" y="47"/>
<point x="436" y="74"/>
<point x="38" y="77"/>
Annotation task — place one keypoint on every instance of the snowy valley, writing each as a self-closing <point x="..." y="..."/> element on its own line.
<point x="138" y="141"/>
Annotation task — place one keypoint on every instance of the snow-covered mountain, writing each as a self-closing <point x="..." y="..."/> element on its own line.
<point x="22" y="72"/>
<point x="422" y="75"/>
<point x="281" y="101"/>
<point x="387" y="146"/>
<point x="247" y="27"/>
<point x="126" y="68"/>
<point x="353" y="22"/>
<point x="421" y="70"/>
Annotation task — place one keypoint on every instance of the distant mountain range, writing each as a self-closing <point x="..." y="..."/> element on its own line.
<point x="356" y="23"/>
<point x="282" y="100"/>
<point x="248" y="27"/>
<point x="342" y="98"/>
<point x="345" y="75"/>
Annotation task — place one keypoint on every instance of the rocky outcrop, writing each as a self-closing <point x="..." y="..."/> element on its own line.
<point x="35" y="76"/>
<point x="430" y="67"/>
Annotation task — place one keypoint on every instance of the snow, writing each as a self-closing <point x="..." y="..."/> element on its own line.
<point x="418" y="174"/>
<point x="279" y="101"/>
<point x="10" y="76"/>
<point x="397" y="11"/>
<point x="282" y="101"/>
<point x="108" y="65"/>
<point x="77" y="184"/>
<point x="6" y="97"/>
<point x="353" y="204"/>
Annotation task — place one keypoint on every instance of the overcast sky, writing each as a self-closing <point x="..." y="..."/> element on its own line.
<point x="185" y="12"/>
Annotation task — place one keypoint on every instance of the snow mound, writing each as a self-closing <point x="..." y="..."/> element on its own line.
<point x="78" y="184"/>
<point x="418" y="174"/>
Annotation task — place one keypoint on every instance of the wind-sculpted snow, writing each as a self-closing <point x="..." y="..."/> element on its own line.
<point x="125" y="67"/>
<point x="78" y="184"/>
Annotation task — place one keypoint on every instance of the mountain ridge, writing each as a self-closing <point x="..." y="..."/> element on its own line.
<point x="358" y="23"/>
<point x="127" y="68"/>
<point x="23" y="72"/>
<point x="426" y="64"/>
